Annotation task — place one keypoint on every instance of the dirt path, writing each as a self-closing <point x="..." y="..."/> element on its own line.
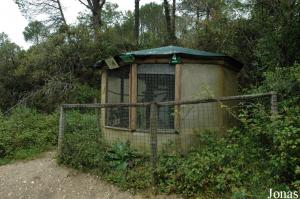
<point x="43" y="178"/>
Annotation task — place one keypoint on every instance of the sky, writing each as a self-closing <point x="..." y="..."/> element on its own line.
<point x="13" y="23"/>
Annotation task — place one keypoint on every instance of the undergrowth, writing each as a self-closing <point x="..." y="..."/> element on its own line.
<point x="262" y="153"/>
<point x="25" y="133"/>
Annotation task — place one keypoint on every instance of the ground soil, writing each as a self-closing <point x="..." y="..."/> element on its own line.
<point x="43" y="178"/>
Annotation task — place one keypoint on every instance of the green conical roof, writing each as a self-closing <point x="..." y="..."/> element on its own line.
<point x="170" y="50"/>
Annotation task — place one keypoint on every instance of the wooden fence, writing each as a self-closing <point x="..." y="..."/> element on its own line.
<point x="154" y="106"/>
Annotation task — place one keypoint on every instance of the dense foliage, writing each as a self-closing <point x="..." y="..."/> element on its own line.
<point x="26" y="133"/>
<point x="261" y="153"/>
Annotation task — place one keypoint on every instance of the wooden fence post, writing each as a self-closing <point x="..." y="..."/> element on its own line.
<point x="61" y="130"/>
<point x="274" y="109"/>
<point x="98" y="121"/>
<point x="153" y="141"/>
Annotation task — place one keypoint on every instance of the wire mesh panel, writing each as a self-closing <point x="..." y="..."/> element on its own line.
<point x="139" y="139"/>
<point x="191" y="119"/>
<point x="156" y="83"/>
<point x="118" y="92"/>
<point x="117" y="117"/>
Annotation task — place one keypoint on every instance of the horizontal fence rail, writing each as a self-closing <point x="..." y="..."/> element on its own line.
<point x="196" y="101"/>
<point x="219" y="99"/>
<point x="98" y="105"/>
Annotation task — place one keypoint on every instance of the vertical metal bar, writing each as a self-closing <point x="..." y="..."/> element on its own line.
<point x="274" y="109"/>
<point x="153" y="141"/>
<point x="61" y="130"/>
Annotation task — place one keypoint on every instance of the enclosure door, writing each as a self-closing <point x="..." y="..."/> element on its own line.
<point x="156" y="83"/>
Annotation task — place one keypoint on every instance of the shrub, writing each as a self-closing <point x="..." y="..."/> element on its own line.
<point x="120" y="156"/>
<point x="262" y="153"/>
<point x="117" y="163"/>
<point x="284" y="133"/>
<point x="25" y="133"/>
<point x="83" y="93"/>
<point x="128" y="168"/>
<point x="82" y="148"/>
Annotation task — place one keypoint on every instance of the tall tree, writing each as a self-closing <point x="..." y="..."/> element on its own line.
<point x="52" y="8"/>
<point x="96" y="7"/>
<point x="9" y="62"/>
<point x="278" y="25"/>
<point x="152" y="25"/>
<point x="174" y="20"/>
<point x="110" y="16"/>
<point x="35" y="32"/>
<point x="204" y="10"/>
<point x="137" y="21"/>
<point x="170" y="21"/>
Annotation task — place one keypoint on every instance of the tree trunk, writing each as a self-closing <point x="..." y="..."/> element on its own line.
<point x="173" y="21"/>
<point x="137" y="21"/>
<point x="198" y="18"/>
<point x="95" y="6"/>
<point x="61" y="12"/>
<point x="168" y="21"/>
<point x="207" y="18"/>
<point x="96" y="23"/>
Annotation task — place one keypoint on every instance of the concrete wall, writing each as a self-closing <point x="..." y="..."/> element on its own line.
<point x="230" y="88"/>
<point x="141" y="140"/>
<point x="207" y="80"/>
<point x="230" y="82"/>
<point x="201" y="81"/>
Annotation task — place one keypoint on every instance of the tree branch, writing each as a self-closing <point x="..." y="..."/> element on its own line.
<point x="102" y="3"/>
<point x="86" y="5"/>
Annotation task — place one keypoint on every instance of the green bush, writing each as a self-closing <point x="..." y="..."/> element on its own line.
<point x="128" y="168"/>
<point x="118" y="163"/>
<point x="261" y="153"/>
<point x="120" y="156"/>
<point x="82" y="148"/>
<point x="25" y="133"/>
<point x="283" y="133"/>
<point x="83" y="93"/>
<point x="218" y="167"/>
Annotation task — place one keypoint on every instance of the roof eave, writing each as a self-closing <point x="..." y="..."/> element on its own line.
<point x="236" y="65"/>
